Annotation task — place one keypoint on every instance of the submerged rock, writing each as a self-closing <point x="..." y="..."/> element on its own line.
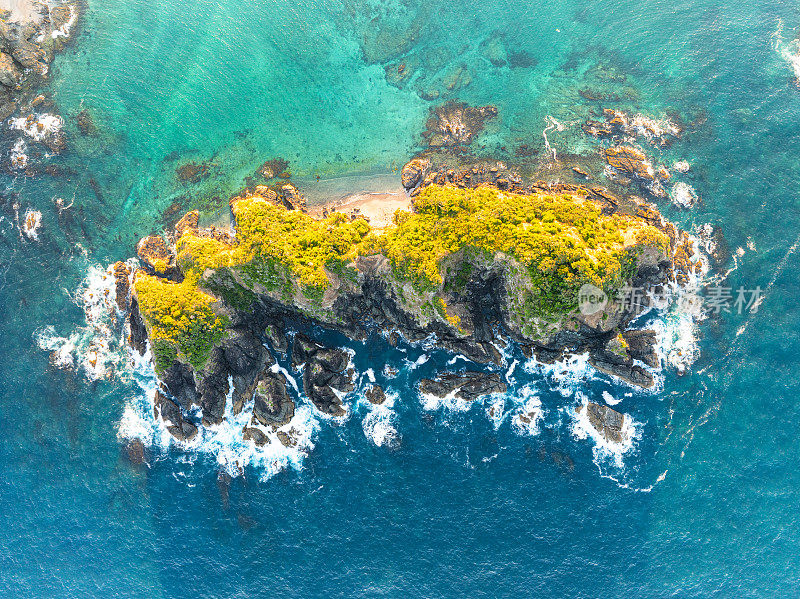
<point x="456" y="123"/>
<point x="193" y="172"/>
<point x="468" y="386"/>
<point x="85" y="123"/>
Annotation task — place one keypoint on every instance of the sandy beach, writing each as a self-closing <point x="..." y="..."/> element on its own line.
<point x="376" y="196"/>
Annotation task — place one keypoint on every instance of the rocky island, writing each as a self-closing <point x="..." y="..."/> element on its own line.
<point x="481" y="260"/>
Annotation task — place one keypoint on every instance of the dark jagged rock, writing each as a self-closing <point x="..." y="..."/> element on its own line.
<point x="122" y="285"/>
<point x="641" y="346"/>
<point x="609" y="423"/>
<point x="213" y="388"/>
<point x="273" y="406"/>
<point x="253" y="434"/>
<point x="179" y="381"/>
<point x="375" y="394"/>
<point x="303" y="348"/>
<point x="171" y="414"/>
<point x="138" y="336"/>
<point x="324" y="373"/>
<point x="276" y="337"/>
<point x="468" y="386"/>
<point x="245" y="360"/>
<point x="615" y="365"/>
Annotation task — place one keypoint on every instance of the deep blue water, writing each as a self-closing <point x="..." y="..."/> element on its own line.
<point x="704" y="503"/>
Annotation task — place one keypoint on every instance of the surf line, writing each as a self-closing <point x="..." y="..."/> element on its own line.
<point x="714" y="408"/>
<point x="551" y="124"/>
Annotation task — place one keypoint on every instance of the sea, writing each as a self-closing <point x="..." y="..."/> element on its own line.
<point x="513" y="495"/>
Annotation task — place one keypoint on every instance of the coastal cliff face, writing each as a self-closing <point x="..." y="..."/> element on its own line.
<point x="469" y="269"/>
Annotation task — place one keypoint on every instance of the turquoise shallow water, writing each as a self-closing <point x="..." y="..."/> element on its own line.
<point x="460" y="507"/>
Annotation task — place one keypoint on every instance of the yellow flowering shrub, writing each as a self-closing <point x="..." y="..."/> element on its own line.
<point x="181" y="318"/>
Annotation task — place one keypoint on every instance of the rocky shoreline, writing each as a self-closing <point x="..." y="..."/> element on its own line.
<point x="474" y="319"/>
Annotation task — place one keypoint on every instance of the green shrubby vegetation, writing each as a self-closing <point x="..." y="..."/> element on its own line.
<point x="181" y="318"/>
<point x="562" y="241"/>
<point x="548" y="245"/>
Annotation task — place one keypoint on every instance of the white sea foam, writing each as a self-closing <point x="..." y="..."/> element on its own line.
<point x="651" y="128"/>
<point x="565" y="375"/>
<point x="496" y="411"/>
<point x="38" y="126"/>
<point x="682" y="166"/>
<point x="19" y="156"/>
<point x="432" y="403"/>
<point x="609" y="399"/>
<point x="416" y="363"/>
<point x="530" y="414"/>
<point x="99" y="349"/>
<point x="683" y="194"/>
<point x="789" y="51"/>
<point x="65" y="30"/>
<point x="31" y="222"/>
<point x="379" y="422"/>
<point x="603" y="449"/>
<point x="223" y="442"/>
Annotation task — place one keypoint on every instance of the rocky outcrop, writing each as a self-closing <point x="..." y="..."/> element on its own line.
<point x="179" y="381"/>
<point x="619" y="124"/>
<point x="609" y="423"/>
<point x="365" y="296"/>
<point x="325" y="374"/>
<point x="641" y="346"/>
<point x="122" y="285"/>
<point x="138" y="334"/>
<point x="255" y="435"/>
<point x="622" y="367"/>
<point x="292" y="197"/>
<point x="272" y="404"/>
<point x="414" y="172"/>
<point x="456" y="123"/>
<point x="153" y="251"/>
<point x="375" y="394"/>
<point x="468" y="386"/>
<point x="10" y="75"/>
<point x="177" y="425"/>
<point x="188" y="222"/>
<point x="30" y="35"/>
<point x="630" y="162"/>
